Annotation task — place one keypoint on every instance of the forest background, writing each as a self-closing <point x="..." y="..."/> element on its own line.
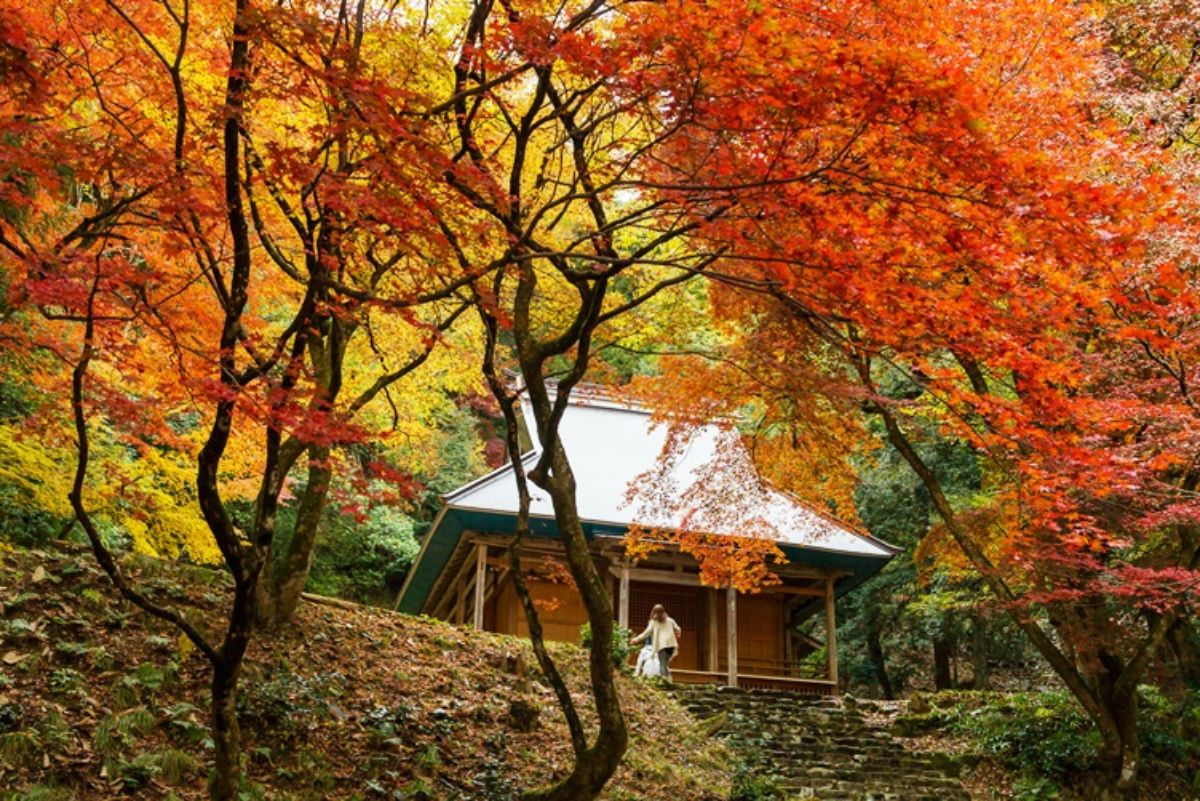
<point x="271" y="273"/>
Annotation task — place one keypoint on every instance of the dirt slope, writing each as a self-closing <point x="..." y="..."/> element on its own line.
<point x="97" y="700"/>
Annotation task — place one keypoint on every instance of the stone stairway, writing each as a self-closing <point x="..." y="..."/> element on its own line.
<point x="821" y="748"/>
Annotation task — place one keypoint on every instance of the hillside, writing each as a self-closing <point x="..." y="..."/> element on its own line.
<point x="99" y="701"/>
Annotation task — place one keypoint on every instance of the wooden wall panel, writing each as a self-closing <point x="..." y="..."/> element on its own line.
<point x="759" y="632"/>
<point x="559" y="608"/>
<point x="760" y="628"/>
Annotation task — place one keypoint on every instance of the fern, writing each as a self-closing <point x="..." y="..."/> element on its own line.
<point x="44" y="793"/>
<point x="125" y="693"/>
<point x="20" y="748"/>
<point x="136" y="722"/>
<point x="107" y="738"/>
<point x="176" y="766"/>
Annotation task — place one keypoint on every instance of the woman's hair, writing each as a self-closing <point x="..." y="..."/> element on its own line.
<point x="658" y="613"/>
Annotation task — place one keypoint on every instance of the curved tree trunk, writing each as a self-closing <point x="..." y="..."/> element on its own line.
<point x="285" y="577"/>
<point x="596" y="765"/>
<point x="1110" y="700"/>
<point x="1125" y="715"/>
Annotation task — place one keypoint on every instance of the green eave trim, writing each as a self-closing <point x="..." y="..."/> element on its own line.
<point x="444" y="538"/>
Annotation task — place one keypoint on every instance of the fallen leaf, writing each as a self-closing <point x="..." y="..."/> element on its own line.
<point x="185" y="647"/>
<point x="40" y="574"/>
<point x="12" y="658"/>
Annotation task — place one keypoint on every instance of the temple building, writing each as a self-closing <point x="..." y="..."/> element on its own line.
<point x="757" y="639"/>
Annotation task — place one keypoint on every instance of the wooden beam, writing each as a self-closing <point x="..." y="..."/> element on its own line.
<point x="783" y="589"/>
<point x="480" y="583"/>
<point x="831" y="631"/>
<point x="449" y="595"/>
<point x="501" y="577"/>
<point x="731" y="634"/>
<point x="659" y="576"/>
<point x="675" y="576"/>
<point x="805" y="571"/>
<point x="502" y="563"/>
<point x="623" y="606"/>
<point x="530" y="545"/>
<point x="714" y="631"/>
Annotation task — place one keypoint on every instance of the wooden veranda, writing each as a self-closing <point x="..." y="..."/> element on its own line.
<point x="740" y="639"/>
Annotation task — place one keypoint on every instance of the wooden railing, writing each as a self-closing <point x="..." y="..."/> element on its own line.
<point x="765" y="681"/>
<point x="801" y="677"/>
<point x="780" y="668"/>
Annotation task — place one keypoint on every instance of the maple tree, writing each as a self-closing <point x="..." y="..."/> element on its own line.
<point x="133" y="230"/>
<point x="330" y="209"/>
<point x="971" y="269"/>
<point x="718" y="156"/>
<point x="239" y="232"/>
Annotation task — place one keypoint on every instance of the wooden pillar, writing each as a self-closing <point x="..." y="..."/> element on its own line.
<point x="480" y="583"/>
<point x="623" y="607"/>
<point x="731" y="634"/>
<point x="787" y="636"/>
<point x="460" y="597"/>
<point x="831" y="632"/>
<point x="714" y="657"/>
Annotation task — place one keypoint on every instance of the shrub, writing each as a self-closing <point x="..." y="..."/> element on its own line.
<point x="386" y="723"/>
<point x="1042" y="733"/>
<point x="68" y="682"/>
<point x="363" y="561"/>
<point x="1169" y="726"/>
<point x="620" y="643"/>
<point x="749" y="785"/>
<point x="1035" y="788"/>
<point x="284" y="703"/>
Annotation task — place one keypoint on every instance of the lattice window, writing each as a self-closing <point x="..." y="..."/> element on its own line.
<point x="680" y="603"/>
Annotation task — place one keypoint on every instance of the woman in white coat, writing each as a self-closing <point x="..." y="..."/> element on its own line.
<point x="663" y="633"/>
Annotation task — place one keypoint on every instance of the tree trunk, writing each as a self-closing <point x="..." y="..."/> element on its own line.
<point x="941" y="663"/>
<point x="878" y="663"/>
<point x="1112" y="703"/>
<point x="226" y="736"/>
<point x="1181" y="641"/>
<point x="594" y="767"/>
<point x="1121" y="746"/>
<point x="285" y="577"/>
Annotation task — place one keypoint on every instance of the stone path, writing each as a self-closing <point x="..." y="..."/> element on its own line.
<point x="821" y="748"/>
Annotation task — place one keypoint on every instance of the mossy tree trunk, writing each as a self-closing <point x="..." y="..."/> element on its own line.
<point x="286" y="575"/>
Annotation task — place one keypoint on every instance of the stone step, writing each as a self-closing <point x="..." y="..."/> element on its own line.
<point x="818" y="748"/>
